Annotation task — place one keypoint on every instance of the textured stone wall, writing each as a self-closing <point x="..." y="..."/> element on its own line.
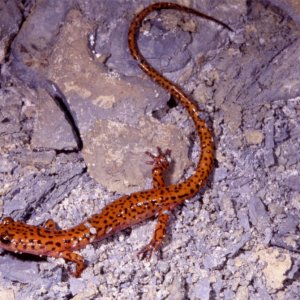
<point x="239" y="238"/>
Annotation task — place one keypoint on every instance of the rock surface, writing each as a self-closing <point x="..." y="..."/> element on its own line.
<point x="239" y="237"/>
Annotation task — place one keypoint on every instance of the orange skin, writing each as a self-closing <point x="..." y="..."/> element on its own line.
<point x="131" y="209"/>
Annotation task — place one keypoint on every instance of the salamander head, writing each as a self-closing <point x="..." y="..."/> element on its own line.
<point x="7" y="233"/>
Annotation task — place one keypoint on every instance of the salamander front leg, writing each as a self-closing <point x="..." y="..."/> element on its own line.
<point x="75" y="258"/>
<point x="160" y="163"/>
<point x="159" y="234"/>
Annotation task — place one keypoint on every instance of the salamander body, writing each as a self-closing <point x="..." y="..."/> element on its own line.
<point x="48" y="240"/>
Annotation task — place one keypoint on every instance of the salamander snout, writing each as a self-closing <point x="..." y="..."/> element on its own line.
<point x="5" y="229"/>
<point x="5" y="239"/>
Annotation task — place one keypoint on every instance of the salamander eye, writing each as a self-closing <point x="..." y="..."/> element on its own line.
<point x="7" y="220"/>
<point x="5" y="239"/>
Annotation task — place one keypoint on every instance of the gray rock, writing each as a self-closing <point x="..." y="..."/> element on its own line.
<point x="233" y="250"/>
<point x="257" y="212"/>
<point x="38" y="159"/>
<point x="218" y="286"/>
<point x="10" y="117"/>
<point x="76" y="286"/>
<point x="263" y="293"/>
<point x="292" y="154"/>
<point x="27" y="194"/>
<point x="214" y="260"/>
<point x="293" y="272"/>
<point x="291" y="7"/>
<point x="269" y="133"/>
<point x="30" y="54"/>
<point x="289" y="225"/>
<point x="202" y="289"/>
<point x="66" y="180"/>
<point x="11" y="18"/>
<point x="6" y="166"/>
<point x="293" y="182"/>
<point x="295" y="130"/>
<point x="42" y="190"/>
<point x="269" y="158"/>
<point x="51" y="129"/>
<point x="282" y="132"/>
<point x="228" y="294"/>
<point x="220" y="173"/>
<point x="156" y="47"/>
<point x="243" y="219"/>
<point x="15" y="269"/>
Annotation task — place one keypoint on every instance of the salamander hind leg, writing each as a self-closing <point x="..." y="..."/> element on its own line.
<point x="159" y="234"/>
<point x="160" y="163"/>
<point x="75" y="258"/>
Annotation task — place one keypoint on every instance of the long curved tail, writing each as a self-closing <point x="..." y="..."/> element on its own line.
<point x="205" y="163"/>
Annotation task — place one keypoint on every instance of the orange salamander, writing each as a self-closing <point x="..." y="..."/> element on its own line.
<point x="48" y="240"/>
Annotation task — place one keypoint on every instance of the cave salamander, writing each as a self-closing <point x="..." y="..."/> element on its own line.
<point x="128" y="210"/>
